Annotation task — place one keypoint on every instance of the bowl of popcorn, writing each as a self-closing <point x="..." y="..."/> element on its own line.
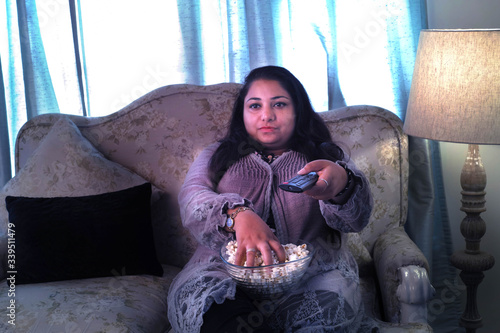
<point x="268" y="281"/>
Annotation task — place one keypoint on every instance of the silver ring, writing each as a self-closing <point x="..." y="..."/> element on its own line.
<point x="324" y="181"/>
<point x="251" y="250"/>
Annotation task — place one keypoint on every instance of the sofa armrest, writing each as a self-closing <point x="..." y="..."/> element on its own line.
<point x="413" y="293"/>
<point x="396" y="257"/>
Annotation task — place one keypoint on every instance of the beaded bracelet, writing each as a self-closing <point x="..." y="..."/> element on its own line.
<point x="349" y="180"/>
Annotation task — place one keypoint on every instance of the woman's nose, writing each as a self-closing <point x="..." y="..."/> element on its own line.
<point x="268" y="113"/>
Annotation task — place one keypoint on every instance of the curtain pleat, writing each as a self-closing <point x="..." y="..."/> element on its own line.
<point x="238" y="48"/>
<point x="39" y="91"/>
<point x="422" y="195"/>
<point x="326" y="29"/>
<point x="263" y="39"/>
<point x="5" y="160"/>
<point x="82" y="62"/>
<point x="78" y="62"/>
<point x="189" y="19"/>
<point x="443" y="311"/>
<point x="427" y="224"/>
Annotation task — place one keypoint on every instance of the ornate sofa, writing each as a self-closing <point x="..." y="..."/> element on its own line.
<point x="155" y="139"/>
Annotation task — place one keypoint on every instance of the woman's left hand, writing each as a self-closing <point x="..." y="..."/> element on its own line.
<point x="332" y="179"/>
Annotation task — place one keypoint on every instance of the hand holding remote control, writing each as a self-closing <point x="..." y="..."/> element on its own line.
<point x="300" y="183"/>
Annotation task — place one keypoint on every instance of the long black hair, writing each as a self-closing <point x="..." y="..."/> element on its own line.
<point x="311" y="137"/>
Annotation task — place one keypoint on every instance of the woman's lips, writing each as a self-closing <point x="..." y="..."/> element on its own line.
<point x="267" y="129"/>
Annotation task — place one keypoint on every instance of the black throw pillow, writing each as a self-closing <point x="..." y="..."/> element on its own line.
<point x="83" y="237"/>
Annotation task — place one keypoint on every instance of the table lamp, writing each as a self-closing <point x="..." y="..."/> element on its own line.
<point x="455" y="97"/>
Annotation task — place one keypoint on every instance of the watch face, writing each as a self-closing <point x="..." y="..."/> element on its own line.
<point x="229" y="222"/>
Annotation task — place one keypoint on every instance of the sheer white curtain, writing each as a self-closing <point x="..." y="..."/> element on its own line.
<point x="344" y="51"/>
<point x="154" y="43"/>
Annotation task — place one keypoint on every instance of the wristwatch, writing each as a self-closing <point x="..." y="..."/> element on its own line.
<point x="230" y="219"/>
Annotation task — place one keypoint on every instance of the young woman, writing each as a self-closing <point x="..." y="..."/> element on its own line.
<point x="231" y="191"/>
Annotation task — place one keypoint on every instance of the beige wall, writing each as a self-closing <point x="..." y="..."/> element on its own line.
<point x="466" y="14"/>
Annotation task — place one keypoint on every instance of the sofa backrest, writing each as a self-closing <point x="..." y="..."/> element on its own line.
<point x="160" y="134"/>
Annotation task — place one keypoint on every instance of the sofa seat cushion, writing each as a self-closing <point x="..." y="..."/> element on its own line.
<point x="134" y="303"/>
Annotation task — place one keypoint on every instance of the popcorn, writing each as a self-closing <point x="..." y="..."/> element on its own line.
<point x="292" y="252"/>
<point x="267" y="280"/>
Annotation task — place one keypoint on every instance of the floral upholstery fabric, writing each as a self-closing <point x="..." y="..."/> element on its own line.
<point x="120" y="304"/>
<point x="375" y="141"/>
<point x="66" y="165"/>
<point x="158" y="136"/>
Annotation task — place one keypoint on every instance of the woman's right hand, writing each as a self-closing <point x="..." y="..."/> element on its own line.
<point x="253" y="234"/>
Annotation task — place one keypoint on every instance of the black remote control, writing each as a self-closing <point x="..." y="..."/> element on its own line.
<point x="300" y="183"/>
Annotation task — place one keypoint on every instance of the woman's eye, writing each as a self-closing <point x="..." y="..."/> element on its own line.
<point x="280" y="105"/>
<point x="254" y="106"/>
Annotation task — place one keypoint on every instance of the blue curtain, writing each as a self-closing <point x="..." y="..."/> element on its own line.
<point x="30" y="90"/>
<point x="5" y="168"/>
<point x="41" y="68"/>
<point x="254" y="33"/>
<point x="38" y="88"/>
<point x="344" y="51"/>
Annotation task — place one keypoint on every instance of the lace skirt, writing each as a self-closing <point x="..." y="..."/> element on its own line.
<point x="328" y="300"/>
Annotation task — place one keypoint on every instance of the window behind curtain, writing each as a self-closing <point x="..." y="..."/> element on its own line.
<point x="134" y="47"/>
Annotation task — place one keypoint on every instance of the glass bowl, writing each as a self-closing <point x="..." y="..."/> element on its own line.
<point x="268" y="281"/>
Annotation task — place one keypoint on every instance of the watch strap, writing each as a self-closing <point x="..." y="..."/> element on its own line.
<point x="232" y="216"/>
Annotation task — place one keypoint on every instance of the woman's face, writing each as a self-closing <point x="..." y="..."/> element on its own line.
<point x="269" y="115"/>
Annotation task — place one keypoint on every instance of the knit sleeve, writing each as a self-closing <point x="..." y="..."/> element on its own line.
<point x="353" y="215"/>
<point x="202" y="208"/>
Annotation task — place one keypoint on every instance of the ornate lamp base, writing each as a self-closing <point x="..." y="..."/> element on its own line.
<point x="472" y="261"/>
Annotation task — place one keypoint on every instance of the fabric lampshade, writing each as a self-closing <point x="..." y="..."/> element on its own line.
<point x="455" y="91"/>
